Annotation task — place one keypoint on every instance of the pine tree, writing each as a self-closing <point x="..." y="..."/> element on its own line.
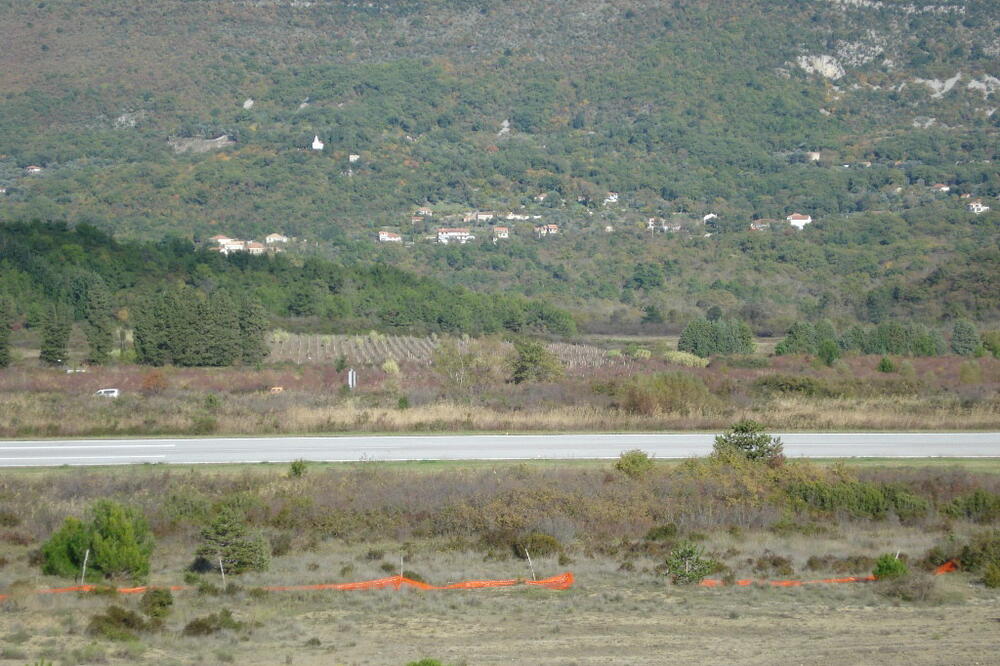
<point x="99" y="328"/>
<point x="220" y="327"/>
<point x="56" y="329"/>
<point x="964" y="338"/>
<point x="6" y="318"/>
<point x="697" y="338"/>
<point x="253" y="326"/>
<point x="801" y="339"/>
<point x="228" y="539"/>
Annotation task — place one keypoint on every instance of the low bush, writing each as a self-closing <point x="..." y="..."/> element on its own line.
<point x="297" y="469"/>
<point x="979" y="506"/>
<point x="850" y="564"/>
<point x="917" y="586"/>
<point x="686" y="359"/>
<point x="886" y="365"/>
<point x="859" y="498"/>
<point x="212" y="624"/>
<point x="747" y="362"/>
<point x="889" y="566"/>
<point x="982" y="550"/>
<point x="281" y="544"/>
<point x="413" y="575"/>
<point x="662" y="532"/>
<point x="117" y="624"/>
<point x="991" y="575"/>
<point x="634" y="464"/>
<point x="156" y="603"/>
<point x="770" y="564"/>
<point x="537" y="545"/>
<point x="798" y="384"/>
<point x="665" y="392"/>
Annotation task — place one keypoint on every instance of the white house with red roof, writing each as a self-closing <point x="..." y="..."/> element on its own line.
<point x="389" y="237"/>
<point x="798" y="220"/>
<point x="977" y="207"/>
<point x="501" y="232"/>
<point x="460" y="235"/>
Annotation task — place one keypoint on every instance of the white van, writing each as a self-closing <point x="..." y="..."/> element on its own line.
<point x="108" y="393"/>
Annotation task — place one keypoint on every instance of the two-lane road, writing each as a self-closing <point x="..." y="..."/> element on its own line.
<point x="22" y="453"/>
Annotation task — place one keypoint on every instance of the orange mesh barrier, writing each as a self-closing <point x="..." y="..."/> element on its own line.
<point x="947" y="567"/>
<point x="560" y="582"/>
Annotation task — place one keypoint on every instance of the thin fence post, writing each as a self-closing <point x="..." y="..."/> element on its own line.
<point x="223" y="572"/>
<point x="83" y="573"/>
<point x="530" y="565"/>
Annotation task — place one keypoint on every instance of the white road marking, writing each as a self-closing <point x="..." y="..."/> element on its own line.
<point x="88" y="446"/>
<point x="4" y="458"/>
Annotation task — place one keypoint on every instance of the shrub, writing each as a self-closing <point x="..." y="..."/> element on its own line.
<point x="991" y="575"/>
<point x="804" y="385"/>
<point x="665" y="392"/>
<point x="748" y="439"/>
<point x="281" y="544"/>
<point x="982" y="550"/>
<point x="533" y="362"/>
<point x="212" y="624"/>
<point x="116" y="624"/>
<point x="117" y="536"/>
<point x="859" y="498"/>
<point x="828" y="352"/>
<point x="743" y="361"/>
<point x="917" y="586"/>
<point x="537" y="545"/>
<point x="980" y="506"/>
<point x="390" y="367"/>
<point x="156" y="603"/>
<point x="425" y="662"/>
<point x="772" y="564"/>
<point x="154" y="382"/>
<point x="686" y="564"/>
<point x="687" y="359"/>
<point x="634" y="464"/>
<point x="297" y="469"/>
<point x="889" y="566"/>
<point x="413" y="575"/>
<point x="970" y="372"/>
<point x="228" y="538"/>
<point x="886" y="365"/>
<point x="662" y="532"/>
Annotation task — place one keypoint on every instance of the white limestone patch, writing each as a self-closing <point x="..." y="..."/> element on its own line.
<point x="824" y="65"/>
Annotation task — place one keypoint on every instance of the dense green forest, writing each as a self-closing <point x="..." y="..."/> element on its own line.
<point x="747" y="109"/>
<point x="47" y="267"/>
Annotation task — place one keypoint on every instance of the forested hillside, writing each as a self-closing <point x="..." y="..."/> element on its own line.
<point x="847" y="111"/>
<point x="42" y="266"/>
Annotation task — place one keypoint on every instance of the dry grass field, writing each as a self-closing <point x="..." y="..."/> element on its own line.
<point x="609" y="616"/>
<point x="355" y="521"/>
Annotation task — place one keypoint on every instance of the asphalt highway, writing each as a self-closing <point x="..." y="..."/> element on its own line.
<point x="23" y="453"/>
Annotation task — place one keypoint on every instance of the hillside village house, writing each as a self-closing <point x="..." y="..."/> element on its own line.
<point x="711" y="216"/>
<point x="547" y="230"/>
<point x="478" y="216"/>
<point x="389" y="237"/>
<point x="501" y="232"/>
<point x="977" y="207"/>
<point x="798" y="220"/>
<point x="424" y="212"/>
<point x="940" y="188"/>
<point x="353" y="157"/>
<point x="760" y="225"/>
<point x="317" y="144"/>
<point x="33" y="169"/>
<point x="416" y="219"/>
<point x="271" y="239"/>
<point x="608" y="229"/>
<point x="813" y="156"/>
<point x="454" y="235"/>
<point x="612" y="198"/>
<point x="3" y="190"/>
<point x="519" y="216"/>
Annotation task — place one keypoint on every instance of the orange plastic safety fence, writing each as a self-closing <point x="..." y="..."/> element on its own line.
<point x="947" y="567"/>
<point x="560" y="582"/>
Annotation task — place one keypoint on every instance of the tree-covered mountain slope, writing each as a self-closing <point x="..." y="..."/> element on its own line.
<point x="847" y="111"/>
